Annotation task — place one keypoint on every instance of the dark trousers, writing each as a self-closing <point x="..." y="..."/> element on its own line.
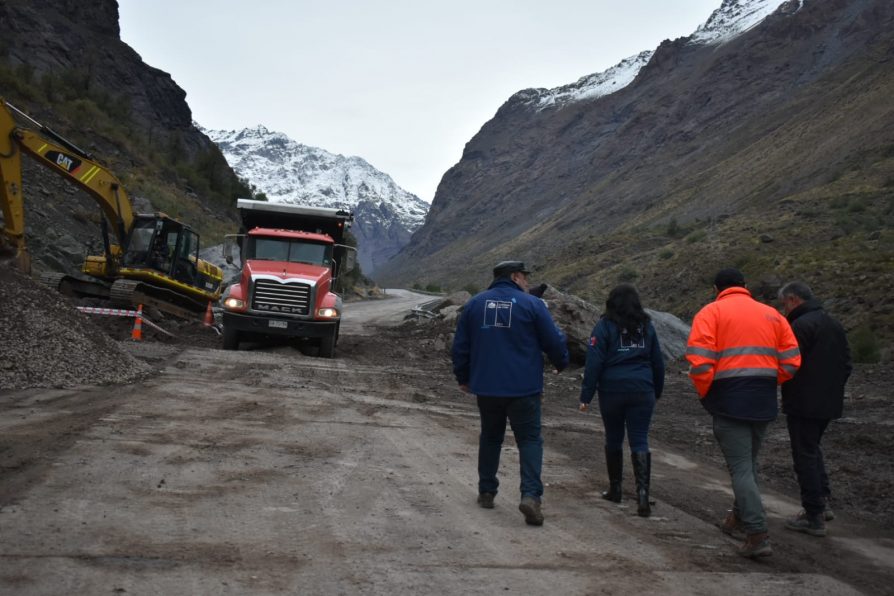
<point x="807" y="455"/>
<point x="630" y="410"/>
<point x="523" y="414"/>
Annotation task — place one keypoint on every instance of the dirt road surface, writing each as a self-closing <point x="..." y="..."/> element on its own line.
<point x="267" y="471"/>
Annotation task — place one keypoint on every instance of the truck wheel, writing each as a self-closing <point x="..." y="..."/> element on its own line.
<point x="327" y="344"/>
<point x="230" y="338"/>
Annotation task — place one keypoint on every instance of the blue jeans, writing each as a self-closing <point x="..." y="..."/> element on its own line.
<point x="740" y="441"/>
<point x="633" y="410"/>
<point x="524" y="418"/>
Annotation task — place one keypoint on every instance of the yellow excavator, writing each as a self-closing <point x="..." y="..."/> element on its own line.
<point x="154" y="259"/>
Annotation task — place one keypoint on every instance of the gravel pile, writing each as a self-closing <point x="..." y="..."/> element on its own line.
<point x="46" y="342"/>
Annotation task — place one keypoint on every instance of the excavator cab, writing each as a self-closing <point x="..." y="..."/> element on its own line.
<point x="164" y="245"/>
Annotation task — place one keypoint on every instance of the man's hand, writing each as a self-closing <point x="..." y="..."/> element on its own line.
<point x="584" y="408"/>
<point x="464" y="388"/>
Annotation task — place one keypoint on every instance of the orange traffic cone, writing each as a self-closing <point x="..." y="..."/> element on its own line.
<point x="209" y="316"/>
<point x="137" y="333"/>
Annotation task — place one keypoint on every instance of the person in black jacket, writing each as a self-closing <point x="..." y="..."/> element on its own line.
<point x="625" y="364"/>
<point x="813" y="398"/>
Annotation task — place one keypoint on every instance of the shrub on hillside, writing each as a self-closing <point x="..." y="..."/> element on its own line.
<point x="865" y="345"/>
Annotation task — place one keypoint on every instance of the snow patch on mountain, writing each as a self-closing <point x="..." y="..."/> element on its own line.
<point x="599" y="84"/>
<point x="290" y="172"/>
<point x="733" y="18"/>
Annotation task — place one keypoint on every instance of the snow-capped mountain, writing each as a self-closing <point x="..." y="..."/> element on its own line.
<point x="735" y="17"/>
<point x="385" y="215"/>
<point x="731" y="19"/>
<point x="599" y="84"/>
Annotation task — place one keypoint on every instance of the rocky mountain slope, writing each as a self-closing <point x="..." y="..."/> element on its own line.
<point x="67" y="67"/>
<point x="769" y="147"/>
<point x="289" y="172"/>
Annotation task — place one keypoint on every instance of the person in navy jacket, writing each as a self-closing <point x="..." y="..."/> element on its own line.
<point x="498" y="356"/>
<point x="625" y="365"/>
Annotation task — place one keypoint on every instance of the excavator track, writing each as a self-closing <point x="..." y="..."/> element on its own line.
<point x="128" y="292"/>
<point x="75" y="286"/>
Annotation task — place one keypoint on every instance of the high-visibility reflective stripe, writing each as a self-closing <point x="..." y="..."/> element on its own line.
<point x="742" y="351"/>
<point x="749" y="351"/>
<point x="746" y="372"/>
<point x="86" y="178"/>
<point x="697" y="370"/>
<point x="790" y="369"/>
<point x="703" y="352"/>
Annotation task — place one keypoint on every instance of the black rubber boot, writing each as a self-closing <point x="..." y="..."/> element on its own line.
<point x="642" y="470"/>
<point x="614" y="463"/>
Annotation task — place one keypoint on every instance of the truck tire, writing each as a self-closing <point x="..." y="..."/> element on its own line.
<point x="230" y="338"/>
<point x="327" y="344"/>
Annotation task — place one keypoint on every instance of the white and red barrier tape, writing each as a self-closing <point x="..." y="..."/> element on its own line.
<point x="118" y="312"/>
<point x="115" y="312"/>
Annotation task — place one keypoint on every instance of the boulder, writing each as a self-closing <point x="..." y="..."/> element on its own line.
<point x="454" y="299"/>
<point x="672" y="333"/>
<point x="577" y="317"/>
<point x="450" y="313"/>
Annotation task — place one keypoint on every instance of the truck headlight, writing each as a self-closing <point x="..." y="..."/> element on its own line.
<point x="327" y="313"/>
<point x="234" y="304"/>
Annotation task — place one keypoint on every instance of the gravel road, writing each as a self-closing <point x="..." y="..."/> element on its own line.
<point x="268" y="471"/>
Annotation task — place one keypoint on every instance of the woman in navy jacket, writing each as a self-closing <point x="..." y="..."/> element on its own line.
<point x="625" y="365"/>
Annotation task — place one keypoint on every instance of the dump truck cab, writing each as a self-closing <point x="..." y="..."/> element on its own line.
<point x="286" y="284"/>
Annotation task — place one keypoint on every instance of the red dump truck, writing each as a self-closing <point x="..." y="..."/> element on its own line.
<point x="291" y="257"/>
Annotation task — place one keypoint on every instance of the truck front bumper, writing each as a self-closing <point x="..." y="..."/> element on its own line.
<point x="260" y="325"/>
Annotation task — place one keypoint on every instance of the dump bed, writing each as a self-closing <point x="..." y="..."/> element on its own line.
<point x="280" y="216"/>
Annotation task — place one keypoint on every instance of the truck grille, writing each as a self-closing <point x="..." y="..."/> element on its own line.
<point x="285" y="298"/>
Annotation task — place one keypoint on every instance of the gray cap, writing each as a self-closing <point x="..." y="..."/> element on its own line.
<point x="506" y="268"/>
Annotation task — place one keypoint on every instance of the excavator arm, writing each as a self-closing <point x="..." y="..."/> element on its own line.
<point x="155" y="259"/>
<point x="66" y="159"/>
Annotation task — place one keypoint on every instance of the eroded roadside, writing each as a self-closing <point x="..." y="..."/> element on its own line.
<point x="267" y="471"/>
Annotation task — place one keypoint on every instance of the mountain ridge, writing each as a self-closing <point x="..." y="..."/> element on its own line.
<point x="715" y="154"/>
<point x="286" y="171"/>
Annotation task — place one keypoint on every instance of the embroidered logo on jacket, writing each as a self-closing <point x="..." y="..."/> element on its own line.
<point x="497" y="313"/>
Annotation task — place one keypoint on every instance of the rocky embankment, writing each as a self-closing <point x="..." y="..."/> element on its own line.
<point x="46" y="342"/>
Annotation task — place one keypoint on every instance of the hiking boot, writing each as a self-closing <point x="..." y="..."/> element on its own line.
<point x="530" y="507"/>
<point x="732" y="525"/>
<point x="486" y="500"/>
<point x="756" y="545"/>
<point x="828" y="514"/>
<point x="815" y="526"/>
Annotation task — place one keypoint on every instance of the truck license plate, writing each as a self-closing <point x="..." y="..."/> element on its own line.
<point x="278" y="324"/>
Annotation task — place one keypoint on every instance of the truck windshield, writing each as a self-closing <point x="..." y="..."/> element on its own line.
<point x="293" y="251"/>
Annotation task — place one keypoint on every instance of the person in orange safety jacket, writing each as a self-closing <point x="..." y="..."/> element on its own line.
<point x="739" y="350"/>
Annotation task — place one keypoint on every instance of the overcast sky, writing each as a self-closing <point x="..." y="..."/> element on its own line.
<point x="404" y="84"/>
